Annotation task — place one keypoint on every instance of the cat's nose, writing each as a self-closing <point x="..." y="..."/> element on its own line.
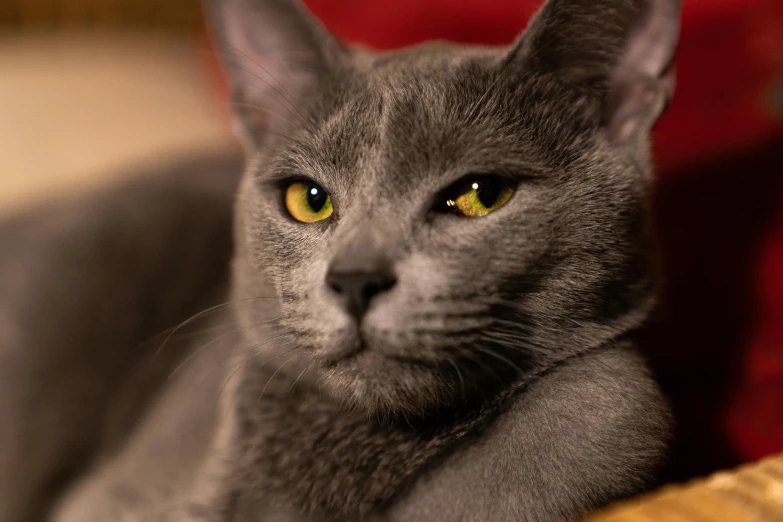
<point x="359" y="288"/>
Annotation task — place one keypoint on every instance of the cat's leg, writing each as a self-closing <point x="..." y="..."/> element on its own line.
<point x="82" y="286"/>
<point x="589" y="432"/>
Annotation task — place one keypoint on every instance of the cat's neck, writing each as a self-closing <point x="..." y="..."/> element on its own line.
<point x="293" y="444"/>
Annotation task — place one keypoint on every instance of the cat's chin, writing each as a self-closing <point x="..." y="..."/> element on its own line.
<point x="385" y="387"/>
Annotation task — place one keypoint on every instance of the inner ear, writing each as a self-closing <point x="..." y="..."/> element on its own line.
<point x="621" y="51"/>
<point x="275" y="54"/>
<point x="642" y="83"/>
<point x="635" y="103"/>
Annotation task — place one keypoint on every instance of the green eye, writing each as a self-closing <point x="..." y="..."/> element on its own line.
<point x="307" y="202"/>
<point x="480" y="196"/>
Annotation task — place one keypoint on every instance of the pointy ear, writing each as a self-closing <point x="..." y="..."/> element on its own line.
<point x="275" y="54"/>
<point x="620" y="51"/>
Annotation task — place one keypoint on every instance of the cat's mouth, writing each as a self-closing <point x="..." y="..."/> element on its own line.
<point x="349" y="350"/>
<point x="380" y="380"/>
<point x="361" y="354"/>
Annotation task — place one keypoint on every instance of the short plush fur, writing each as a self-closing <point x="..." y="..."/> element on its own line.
<point x="491" y="376"/>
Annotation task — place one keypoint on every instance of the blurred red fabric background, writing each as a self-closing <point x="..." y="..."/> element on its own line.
<point x="717" y="345"/>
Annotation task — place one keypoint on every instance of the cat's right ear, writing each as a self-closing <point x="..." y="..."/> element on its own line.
<point x="275" y="53"/>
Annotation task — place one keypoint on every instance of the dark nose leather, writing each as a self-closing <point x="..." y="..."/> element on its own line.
<point x="358" y="288"/>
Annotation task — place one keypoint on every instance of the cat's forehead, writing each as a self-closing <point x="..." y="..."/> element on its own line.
<point x="430" y="77"/>
<point x="424" y="112"/>
<point x="432" y="59"/>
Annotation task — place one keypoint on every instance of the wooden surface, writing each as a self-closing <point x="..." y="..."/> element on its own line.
<point x="751" y="493"/>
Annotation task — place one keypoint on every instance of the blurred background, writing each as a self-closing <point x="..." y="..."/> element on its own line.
<point x="91" y="89"/>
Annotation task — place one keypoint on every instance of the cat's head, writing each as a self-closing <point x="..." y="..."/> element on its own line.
<point x="439" y="219"/>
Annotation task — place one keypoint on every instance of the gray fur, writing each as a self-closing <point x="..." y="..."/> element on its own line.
<point x="80" y="306"/>
<point x="496" y="378"/>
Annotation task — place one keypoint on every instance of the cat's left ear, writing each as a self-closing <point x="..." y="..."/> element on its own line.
<point x="275" y="53"/>
<point x="620" y="51"/>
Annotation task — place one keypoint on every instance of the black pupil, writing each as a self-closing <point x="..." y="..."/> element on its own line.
<point x="316" y="198"/>
<point x="488" y="191"/>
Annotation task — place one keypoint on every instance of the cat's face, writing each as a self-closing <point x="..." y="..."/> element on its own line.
<point x="437" y="221"/>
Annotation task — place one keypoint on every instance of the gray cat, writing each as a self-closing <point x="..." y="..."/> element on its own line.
<point x="440" y="258"/>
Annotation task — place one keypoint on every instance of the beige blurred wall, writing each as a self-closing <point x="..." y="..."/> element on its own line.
<point x="79" y="108"/>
